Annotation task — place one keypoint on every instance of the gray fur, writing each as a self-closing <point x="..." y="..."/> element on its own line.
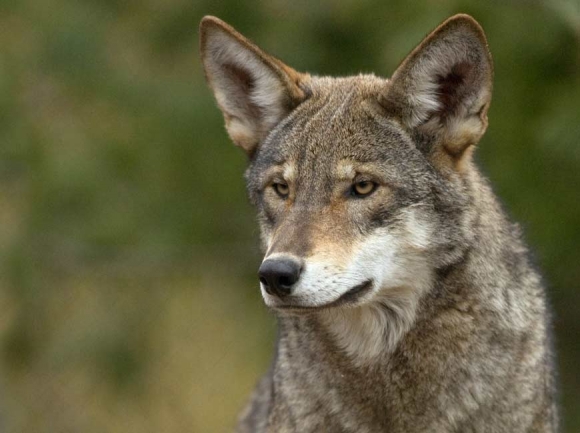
<point x="466" y="349"/>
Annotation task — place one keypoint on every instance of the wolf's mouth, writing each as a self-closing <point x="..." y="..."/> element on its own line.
<point x="348" y="298"/>
<point x="355" y="293"/>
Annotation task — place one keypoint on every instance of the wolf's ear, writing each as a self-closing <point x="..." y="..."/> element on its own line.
<point x="254" y="90"/>
<point x="443" y="88"/>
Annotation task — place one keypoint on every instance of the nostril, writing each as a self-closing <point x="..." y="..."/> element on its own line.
<point x="286" y="281"/>
<point x="263" y="281"/>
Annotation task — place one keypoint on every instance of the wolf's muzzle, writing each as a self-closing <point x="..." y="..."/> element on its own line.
<point x="278" y="276"/>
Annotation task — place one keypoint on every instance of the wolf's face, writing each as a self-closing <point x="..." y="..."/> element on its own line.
<point x="360" y="183"/>
<point x="344" y="197"/>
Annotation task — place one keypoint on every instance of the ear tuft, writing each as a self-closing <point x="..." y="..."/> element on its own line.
<point x="443" y="88"/>
<point x="253" y="90"/>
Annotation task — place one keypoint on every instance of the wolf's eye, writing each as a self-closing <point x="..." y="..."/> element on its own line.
<point x="281" y="189"/>
<point x="363" y="188"/>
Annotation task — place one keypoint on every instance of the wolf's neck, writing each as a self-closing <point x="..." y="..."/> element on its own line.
<point x="367" y="333"/>
<point x="312" y="372"/>
<point x="361" y="337"/>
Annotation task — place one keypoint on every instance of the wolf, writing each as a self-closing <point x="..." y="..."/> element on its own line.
<point x="405" y="298"/>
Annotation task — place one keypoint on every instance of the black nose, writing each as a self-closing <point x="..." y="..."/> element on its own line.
<point x="279" y="275"/>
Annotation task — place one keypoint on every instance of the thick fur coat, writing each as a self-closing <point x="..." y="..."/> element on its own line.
<point x="405" y="297"/>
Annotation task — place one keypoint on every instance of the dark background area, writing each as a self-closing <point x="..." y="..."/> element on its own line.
<point x="128" y="252"/>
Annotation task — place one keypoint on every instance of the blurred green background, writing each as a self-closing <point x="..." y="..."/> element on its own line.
<point x="128" y="252"/>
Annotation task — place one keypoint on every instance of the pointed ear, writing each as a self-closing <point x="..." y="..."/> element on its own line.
<point x="443" y="88"/>
<point x="253" y="90"/>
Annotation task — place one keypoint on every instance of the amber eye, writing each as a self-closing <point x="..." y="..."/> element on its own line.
<point x="363" y="188"/>
<point x="281" y="189"/>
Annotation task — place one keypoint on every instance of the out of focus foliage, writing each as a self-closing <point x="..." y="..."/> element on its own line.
<point x="128" y="252"/>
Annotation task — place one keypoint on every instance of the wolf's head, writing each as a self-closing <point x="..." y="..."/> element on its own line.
<point x="361" y="183"/>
